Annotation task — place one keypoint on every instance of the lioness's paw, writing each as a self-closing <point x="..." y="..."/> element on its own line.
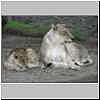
<point x="76" y="67"/>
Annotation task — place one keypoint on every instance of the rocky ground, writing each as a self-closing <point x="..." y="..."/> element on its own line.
<point x="88" y="74"/>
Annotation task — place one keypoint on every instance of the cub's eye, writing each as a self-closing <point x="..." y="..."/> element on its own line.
<point x="16" y="57"/>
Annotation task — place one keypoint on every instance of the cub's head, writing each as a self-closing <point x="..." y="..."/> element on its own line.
<point x="20" y="56"/>
<point x="21" y="59"/>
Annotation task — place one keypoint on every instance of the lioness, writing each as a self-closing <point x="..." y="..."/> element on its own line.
<point x="58" y="49"/>
<point x="53" y="51"/>
<point x="22" y="58"/>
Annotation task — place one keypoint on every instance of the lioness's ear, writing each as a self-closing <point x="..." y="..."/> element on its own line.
<point x="53" y="27"/>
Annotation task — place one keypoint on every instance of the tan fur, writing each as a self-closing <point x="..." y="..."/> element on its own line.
<point x="21" y="59"/>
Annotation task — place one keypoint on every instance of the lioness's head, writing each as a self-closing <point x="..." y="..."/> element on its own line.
<point x="62" y="30"/>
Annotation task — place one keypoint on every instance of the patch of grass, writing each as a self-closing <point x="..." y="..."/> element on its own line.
<point x="79" y="35"/>
<point x="39" y="29"/>
<point x="27" y="28"/>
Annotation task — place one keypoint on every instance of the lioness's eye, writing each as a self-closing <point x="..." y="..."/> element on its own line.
<point x="16" y="57"/>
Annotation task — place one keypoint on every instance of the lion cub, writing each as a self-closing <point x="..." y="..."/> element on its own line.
<point x="20" y="59"/>
<point x="78" y="53"/>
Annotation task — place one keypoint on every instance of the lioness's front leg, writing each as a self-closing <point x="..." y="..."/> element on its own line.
<point x="47" y="67"/>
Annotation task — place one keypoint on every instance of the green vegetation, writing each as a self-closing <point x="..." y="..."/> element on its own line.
<point x="40" y="28"/>
<point x="26" y="28"/>
<point x="80" y="27"/>
<point x="78" y="34"/>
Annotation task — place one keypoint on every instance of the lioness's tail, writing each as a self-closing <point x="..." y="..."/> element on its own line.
<point x="86" y="62"/>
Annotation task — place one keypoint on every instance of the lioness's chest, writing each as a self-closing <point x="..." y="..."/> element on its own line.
<point x="57" y="53"/>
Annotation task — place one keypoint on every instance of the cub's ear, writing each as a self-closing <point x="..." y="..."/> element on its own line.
<point x="29" y="49"/>
<point x="53" y="27"/>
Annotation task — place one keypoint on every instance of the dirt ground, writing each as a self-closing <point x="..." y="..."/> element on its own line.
<point x="87" y="74"/>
